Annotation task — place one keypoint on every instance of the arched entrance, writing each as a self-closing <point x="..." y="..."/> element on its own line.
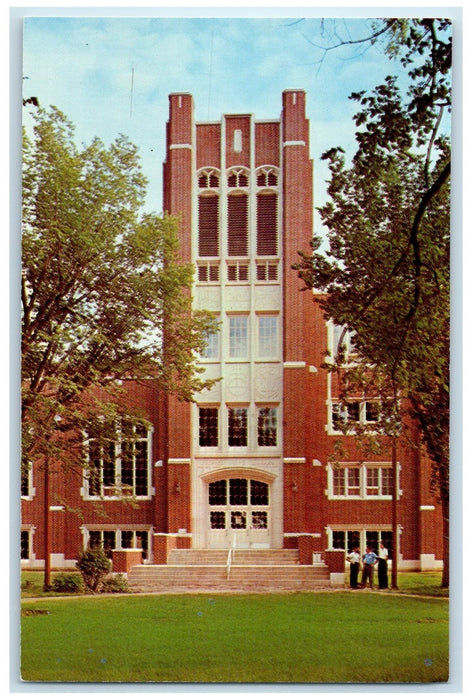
<point x="238" y="512"/>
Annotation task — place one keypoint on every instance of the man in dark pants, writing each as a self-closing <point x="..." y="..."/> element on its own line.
<point x="354" y="559"/>
<point x="369" y="560"/>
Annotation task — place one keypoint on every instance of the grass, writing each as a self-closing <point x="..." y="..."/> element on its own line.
<point x="413" y="583"/>
<point x="278" y="638"/>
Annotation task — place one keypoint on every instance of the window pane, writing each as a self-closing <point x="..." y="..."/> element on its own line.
<point x="259" y="493"/>
<point x="238" y="492"/>
<point x="211" y="351"/>
<point x="338" y="539"/>
<point x="95" y="539"/>
<point x="259" y="520"/>
<point x="141" y="466"/>
<point x="354" y="481"/>
<point x="109" y="477"/>
<point x="217" y="493"/>
<point x="337" y="416"/>
<point x="208" y="427"/>
<point x="353" y="539"/>
<point x="127" y="464"/>
<point x="142" y="541"/>
<point x="109" y="542"/>
<point x="353" y="410"/>
<point x="372" y="539"/>
<point x="237" y="427"/>
<point x="238" y="336"/>
<point x="217" y="520"/>
<point x="372" y="411"/>
<point x="386" y="537"/>
<point x="338" y="481"/>
<point x="387" y="481"/>
<point x="267" y="336"/>
<point x="267" y="427"/>
<point x="238" y="520"/>
<point x="25" y="544"/>
<point x="25" y="483"/>
<point x="127" y="539"/>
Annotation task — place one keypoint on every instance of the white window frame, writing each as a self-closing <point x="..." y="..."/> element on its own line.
<point x="31" y="491"/>
<point x="334" y="336"/>
<point x="86" y="530"/>
<point x="271" y="407"/>
<point x="362" y="529"/>
<point x="271" y="352"/>
<point x="363" y="493"/>
<point x="120" y="491"/>
<point x="238" y="337"/>
<point x="344" y="414"/>
<point x="239" y="407"/>
<point x="30" y="532"/>
<point x="216" y="408"/>
<point x="211" y="353"/>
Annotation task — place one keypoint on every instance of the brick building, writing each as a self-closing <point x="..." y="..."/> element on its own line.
<point x="249" y="463"/>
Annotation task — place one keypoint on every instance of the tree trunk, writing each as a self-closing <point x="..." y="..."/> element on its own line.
<point x="445" y="534"/>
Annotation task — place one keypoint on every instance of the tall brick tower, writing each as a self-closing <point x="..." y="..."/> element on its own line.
<point x="242" y="188"/>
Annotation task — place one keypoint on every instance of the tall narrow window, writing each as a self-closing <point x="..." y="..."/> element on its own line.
<point x="211" y="351"/>
<point x="267" y="223"/>
<point x="238" y="337"/>
<point x="237" y="427"/>
<point x="267" y="336"/>
<point x="267" y="427"/>
<point x="25" y="544"/>
<point x="208" y="226"/>
<point x="237" y="225"/>
<point x="208" y="426"/>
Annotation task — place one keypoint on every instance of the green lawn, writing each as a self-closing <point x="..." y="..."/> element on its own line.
<point x="288" y="638"/>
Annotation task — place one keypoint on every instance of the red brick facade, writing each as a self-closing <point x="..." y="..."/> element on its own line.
<point x="268" y="479"/>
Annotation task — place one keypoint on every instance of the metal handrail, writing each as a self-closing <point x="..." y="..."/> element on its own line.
<point x="230" y="556"/>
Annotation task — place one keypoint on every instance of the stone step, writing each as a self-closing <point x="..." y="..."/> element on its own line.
<point x="191" y="557"/>
<point x="215" y="577"/>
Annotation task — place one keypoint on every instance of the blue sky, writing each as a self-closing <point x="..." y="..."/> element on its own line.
<point x="113" y="75"/>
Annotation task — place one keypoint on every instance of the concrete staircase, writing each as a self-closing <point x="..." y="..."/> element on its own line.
<point x="257" y="570"/>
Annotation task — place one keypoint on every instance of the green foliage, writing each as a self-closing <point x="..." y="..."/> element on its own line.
<point x="116" y="584"/>
<point x="94" y="565"/>
<point x="67" y="583"/>
<point x="102" y="287"/>
<point x="385" y="273"/>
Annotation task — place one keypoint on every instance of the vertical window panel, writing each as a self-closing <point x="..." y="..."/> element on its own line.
<point x="268" y="336"/>
<point x="267" y="427"/>
<point x="238" y="225"/>
<point x="267" y="224"/>
<point x="208" y="427"/>
<point x="237" y="427"/>
<point x="238" y="336"/>
<point x="208" y="227"/>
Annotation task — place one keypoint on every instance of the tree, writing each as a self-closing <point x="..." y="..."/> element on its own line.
<point x="385" y="274"/>
<point x="105" y="297"/>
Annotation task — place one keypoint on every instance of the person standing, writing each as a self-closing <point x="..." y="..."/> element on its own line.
<point x="354" y="559"/>
<point x="383" y="566"/>
<point x="369" y="560"/>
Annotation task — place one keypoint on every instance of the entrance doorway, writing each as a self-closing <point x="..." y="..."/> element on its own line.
<point x="238" y="513"/>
